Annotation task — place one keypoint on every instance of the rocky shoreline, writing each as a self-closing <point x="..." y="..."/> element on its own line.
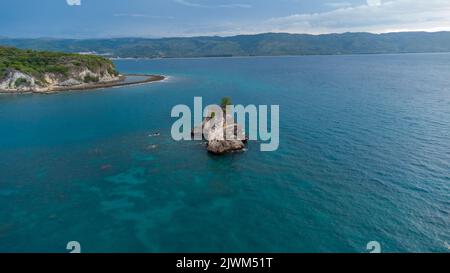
<point x="121" y="81"/>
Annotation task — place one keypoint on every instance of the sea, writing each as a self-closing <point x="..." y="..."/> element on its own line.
<point x="364" y="156"/>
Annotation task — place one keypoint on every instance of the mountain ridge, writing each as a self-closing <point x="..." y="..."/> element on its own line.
<point x="264" y="44"/>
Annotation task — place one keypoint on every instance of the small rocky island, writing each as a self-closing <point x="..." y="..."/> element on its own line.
<point x="214" y="132"/>
<point x="23" y="71"/>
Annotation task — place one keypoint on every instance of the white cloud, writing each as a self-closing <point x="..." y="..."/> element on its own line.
<point x="73" y="2"/>
<point x="376" y="16"/>
<point x="198" y="5"/>
<point x="338" y="4"/>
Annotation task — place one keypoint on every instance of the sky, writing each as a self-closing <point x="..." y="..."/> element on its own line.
<point x="173" y="18"/>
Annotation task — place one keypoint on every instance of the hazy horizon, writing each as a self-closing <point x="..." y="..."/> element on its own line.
<point x="221" y="36"/>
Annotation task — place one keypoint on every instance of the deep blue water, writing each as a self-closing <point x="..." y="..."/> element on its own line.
<point x="364" y="156"/>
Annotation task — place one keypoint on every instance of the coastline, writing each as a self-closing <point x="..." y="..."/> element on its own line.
<point x="118" y="83"/>
<point x="274" y="56"/>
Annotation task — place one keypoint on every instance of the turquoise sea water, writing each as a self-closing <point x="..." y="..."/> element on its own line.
<point x="364" y="156"/>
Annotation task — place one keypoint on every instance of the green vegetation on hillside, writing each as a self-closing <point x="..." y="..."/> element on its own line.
<point x="36" y="63"/>
<point x="267" y="44"/>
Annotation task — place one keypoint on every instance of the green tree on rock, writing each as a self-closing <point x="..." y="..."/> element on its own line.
<point x="225" y="102"/>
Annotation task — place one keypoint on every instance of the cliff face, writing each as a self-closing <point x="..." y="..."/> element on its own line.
<point x="215" y="132"/>
<point x="25" y="71"/>
<point x="17" y="81"/>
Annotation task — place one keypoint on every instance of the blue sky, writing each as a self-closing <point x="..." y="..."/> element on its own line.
<point x="168" y="18"/>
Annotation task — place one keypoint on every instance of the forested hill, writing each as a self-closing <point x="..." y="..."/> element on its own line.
<point x="29" y="70"/>
<point x="268" y="44"/>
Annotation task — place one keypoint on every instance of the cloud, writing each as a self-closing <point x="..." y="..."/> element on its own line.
<point x="73" y="2"/>
<point x="375" y="16"/>
<point x="374" y="3"/>
<point x="197" y="5"/>
<point x="338" y="4"/>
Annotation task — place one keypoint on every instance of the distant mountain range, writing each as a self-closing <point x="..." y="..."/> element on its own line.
<point x="267" y="44"/>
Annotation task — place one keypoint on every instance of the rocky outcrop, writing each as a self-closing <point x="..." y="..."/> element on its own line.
<point x="16" y="81"/>
<point x="215" y="133"/>
<point x="70" y="82"/>
<point x="220" y="147"/>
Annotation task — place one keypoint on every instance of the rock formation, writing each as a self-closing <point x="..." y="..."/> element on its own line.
<point x="215" y="133"/>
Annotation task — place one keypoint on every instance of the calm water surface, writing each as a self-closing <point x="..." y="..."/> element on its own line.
<point x="364" y="155"/>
